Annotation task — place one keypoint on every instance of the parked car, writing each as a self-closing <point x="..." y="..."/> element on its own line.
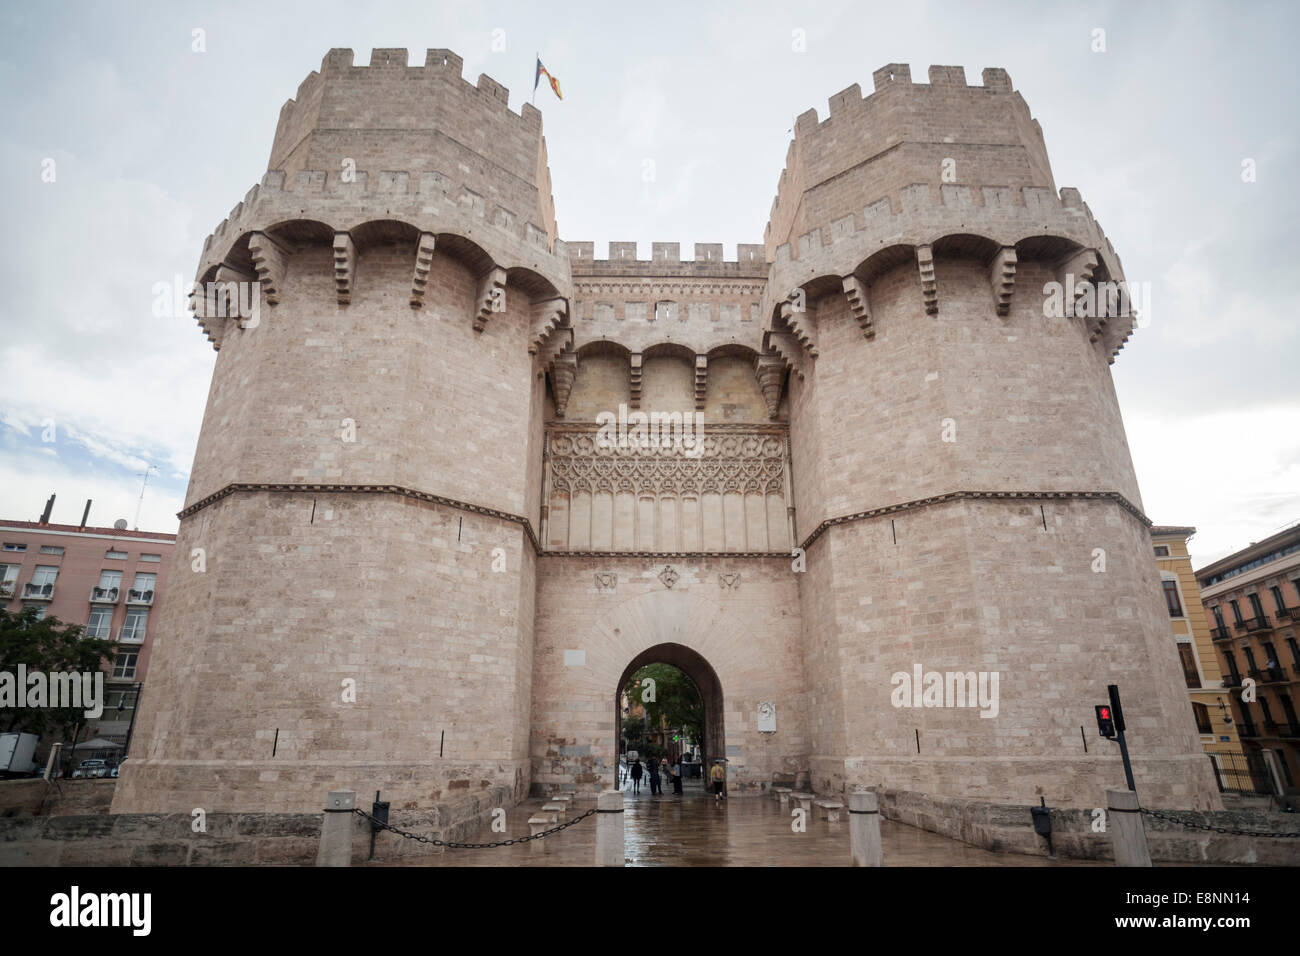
<point x="92" y="768"/>
<point x="113" y="773"/>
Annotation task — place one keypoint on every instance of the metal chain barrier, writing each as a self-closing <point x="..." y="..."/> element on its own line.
<point x="1228" y="830"/>
<point x="471" y="846"/>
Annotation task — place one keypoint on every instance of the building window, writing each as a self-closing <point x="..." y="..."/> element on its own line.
<point x="1295" y="653"/>
<point x="1236" y="612"/>
<point x="44" y="574"/>
<point x="133" y="629"/>
<point x="1202" y="713"/>
<point x="1278" y="600"/>
<point x="8" y="579"/>
<point x="1162" y="551"/>
<point x="39" y="608"/>
<point x="1171" y="598"/>
<point x="124" y="664"/>
<point x="151" y="558"/>
<point x="145" y="582"/>
<point x="10" y="546"/>
<point x="1218" y="616"/>
<point x="108" y="580"/>
<point x="50" y="549"/>
<point x="1231" y="658"/>
<point x="1188" y="658"/>
<point x="1263" y="706"/>
<point x="1296" y="584"/>
<point x="1286" y="771"/>
<point x="100" y="624"/>
<point x="116" y="555"/>
<point x="1256" y="606"/>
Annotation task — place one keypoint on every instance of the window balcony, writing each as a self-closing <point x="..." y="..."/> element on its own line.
<point x="105" y="595"/>
<point x="130" y="635"/>
<point x="139" y="597"/>
<point x="1247" y="728"/>
<point x="7" y="590"/>
<point x="1270" y="675"/>
<point x="1288" y="730"/>
<point x="1231" y="680"/>
<point x="38" y="592"/>
<point x="1292" y="613"/>
<point x="1221" y="633"/>
<point x="1252" y="624"/>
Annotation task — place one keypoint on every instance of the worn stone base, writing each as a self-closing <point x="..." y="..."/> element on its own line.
<point x="241" y="839"/>
<point x="1009" y="828"/>
<point x="62" y="798"/>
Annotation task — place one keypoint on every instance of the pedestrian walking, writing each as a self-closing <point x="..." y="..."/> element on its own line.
<point x="719" y="778"/>
<point x="677" y="776"/>
<point x="637" y="770"/>
<point x="655" y="786"/>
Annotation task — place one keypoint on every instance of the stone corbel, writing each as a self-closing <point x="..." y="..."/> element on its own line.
<point x="799" y="322"/>
<point x="423" y="263"/>
<point x="560" y="341"/>
<point x="220" y="298"/>
<point x="491" y="296"/>
<point x="787" y="348"/>
<point x="563" y="371"/>
<point x="929" y="288"/>
<point x="268" y="259"/>
<point x="634" y="380"/>
<point x="1002" y="277"/>
<point x="701" y="381"/>
<point x="548" y="316"/>
<point x="345" y="266"/>
<point x="1075" y="274"/>
<point x="770" y="370"/>
<point x="855" y="290"/>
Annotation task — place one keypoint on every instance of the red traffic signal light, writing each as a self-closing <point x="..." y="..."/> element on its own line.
<point x="1105" y="722"/>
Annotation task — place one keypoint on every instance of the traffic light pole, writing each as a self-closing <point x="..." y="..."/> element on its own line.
<point x="1117" y="713"/>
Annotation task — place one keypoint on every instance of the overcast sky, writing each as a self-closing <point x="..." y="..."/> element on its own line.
<point x="153" y="143"/>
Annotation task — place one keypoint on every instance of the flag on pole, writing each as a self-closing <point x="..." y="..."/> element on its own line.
<point x="555" y="84"/>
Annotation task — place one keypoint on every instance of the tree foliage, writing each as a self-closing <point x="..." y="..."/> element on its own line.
<point x="52" y="647"/>
<point x="677" y="702"/>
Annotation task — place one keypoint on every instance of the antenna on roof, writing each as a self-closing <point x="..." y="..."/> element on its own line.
<point x="135" y="525"/>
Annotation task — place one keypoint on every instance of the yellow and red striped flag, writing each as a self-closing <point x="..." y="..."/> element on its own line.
<point x="555" y="84"/>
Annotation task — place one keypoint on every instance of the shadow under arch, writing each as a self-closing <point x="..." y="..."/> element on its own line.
<point x="702" y="675"/>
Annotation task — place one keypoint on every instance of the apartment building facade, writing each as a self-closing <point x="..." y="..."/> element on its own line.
<point x="1253" y="601"/>
<point x="111" y="581"/>
<point x="1202" y="669"/>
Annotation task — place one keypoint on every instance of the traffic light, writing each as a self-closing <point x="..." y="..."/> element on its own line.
<point x="1105" y="723"/>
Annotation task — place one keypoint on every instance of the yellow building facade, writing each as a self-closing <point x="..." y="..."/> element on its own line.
<point x="1201" y="669"/>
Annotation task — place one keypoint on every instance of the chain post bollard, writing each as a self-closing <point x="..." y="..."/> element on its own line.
<point x="1125" y="825"/>
<point x="336" y="829"/>
<point x="609" y="828"/>
<point x="864" y="829"/>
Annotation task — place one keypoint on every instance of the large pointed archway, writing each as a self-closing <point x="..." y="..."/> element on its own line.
<point x="706" y="681"/>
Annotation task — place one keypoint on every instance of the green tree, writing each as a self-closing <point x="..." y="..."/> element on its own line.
<point x="677" y="704"/>
<point x="49" y="646"/>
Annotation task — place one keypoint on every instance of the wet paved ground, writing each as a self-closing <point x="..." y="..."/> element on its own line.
<point x="691" y="830"/>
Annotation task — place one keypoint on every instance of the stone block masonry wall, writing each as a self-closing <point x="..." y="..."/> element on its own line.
<point x="1008" y="828"/>
<point x="232" y="839"/>
<point x="395" y="594"/>
<point x="611" y="610"/>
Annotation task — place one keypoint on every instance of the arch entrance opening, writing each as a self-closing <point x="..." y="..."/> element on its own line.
<point x="669" y="691"/>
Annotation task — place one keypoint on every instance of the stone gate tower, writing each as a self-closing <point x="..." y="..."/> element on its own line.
<point x="413" y="561"/>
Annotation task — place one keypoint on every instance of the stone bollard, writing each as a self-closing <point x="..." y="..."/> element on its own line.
<point x="336" y="829"/>
<point x="864" y="829"/>
<point x="538" y="825"/>
<point x="609" y="828"/>
<point x="1127" y="835"/>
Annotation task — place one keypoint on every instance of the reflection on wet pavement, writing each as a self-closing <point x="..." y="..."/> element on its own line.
<point x="691" y="830"/>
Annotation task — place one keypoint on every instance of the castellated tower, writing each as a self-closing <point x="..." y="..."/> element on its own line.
<point x="962" y="479"/>
<point x="409" y="296"/>
<point x="411" y="562"/>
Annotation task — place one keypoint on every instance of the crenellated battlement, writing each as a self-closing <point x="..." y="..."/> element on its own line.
<point x="665" y="260"/>
<point x="902" y="133"/>
<point x="390" y="108"/>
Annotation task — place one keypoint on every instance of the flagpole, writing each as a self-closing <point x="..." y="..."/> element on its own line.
<point x="537" y="57"/>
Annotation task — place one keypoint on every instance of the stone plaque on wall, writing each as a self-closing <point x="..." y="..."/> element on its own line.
<point x="766" y="717"/>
